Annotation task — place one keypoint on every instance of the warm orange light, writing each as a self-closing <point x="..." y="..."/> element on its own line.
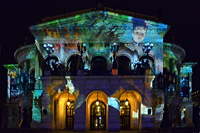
<point x="126" y="102"/>
<point x="97" y="102"/>
<point x="68" y="102"/>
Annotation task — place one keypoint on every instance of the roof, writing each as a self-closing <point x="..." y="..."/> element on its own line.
<point x="133" y="14"/>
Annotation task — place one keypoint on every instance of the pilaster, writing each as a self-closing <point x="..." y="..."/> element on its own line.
<point x="36" y="109"/>
<point x="80" y="118"/>
<point x="113" y="119"/>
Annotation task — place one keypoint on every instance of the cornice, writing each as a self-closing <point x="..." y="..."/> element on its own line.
<point x="24" y="53"/>
<point x="178" y="51"/>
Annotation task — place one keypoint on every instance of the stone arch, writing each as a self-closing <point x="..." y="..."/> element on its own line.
<point x="151" y="58"/>
<point x="73" y="62"/>
<point x="135" y="100"/>
<point x="124" y="65"/>
<point x="91" y="98"/>
<point x="99" y="63"/>
<point x="93" y="55"/>
<point x="59" y="109"/>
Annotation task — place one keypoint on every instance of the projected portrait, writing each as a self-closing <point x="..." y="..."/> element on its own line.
<point x="139" y="30"/>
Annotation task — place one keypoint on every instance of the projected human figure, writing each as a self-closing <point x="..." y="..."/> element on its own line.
<point x="139" y="30"/>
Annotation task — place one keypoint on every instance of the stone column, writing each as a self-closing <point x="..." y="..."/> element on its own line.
<point x="36" y="109"/>
<point x="46" y="118"/>
<point x="113" y="119"/>
<point x="80" y="118"/>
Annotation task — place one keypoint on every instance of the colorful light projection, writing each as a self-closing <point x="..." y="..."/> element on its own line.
<point x="169" y="58"/>
<point x="99" y="29"/>
<point x="12" y="72"/>
<point x="114" y="103"/>
<point x="186" y="79"/>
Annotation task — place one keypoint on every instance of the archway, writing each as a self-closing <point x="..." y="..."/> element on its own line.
<point x="124" y="115"/>
<point x="124" y="65"/>
<point x="98" y="65"/>
<point x="98" y="115"/>
<point x="73" y="64"/>
<point x="63" y="112"/>
<point x="91" y="107"/>
<point x="70" y="116"/>
<point x="130" y="108"/>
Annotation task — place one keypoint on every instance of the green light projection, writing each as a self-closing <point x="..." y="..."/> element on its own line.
<point x="99" y="30"/>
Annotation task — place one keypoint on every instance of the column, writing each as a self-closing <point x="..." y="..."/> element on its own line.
<point x="47" y="106"/>
<point x="80" y="118"/>
<point x="36" y="109"/>
<point x="113" y="119"/>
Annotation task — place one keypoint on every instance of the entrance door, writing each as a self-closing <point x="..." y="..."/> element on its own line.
<point x="124" y="115"/>
<point x="98" y="116"/>
<point x="70" y="116"/>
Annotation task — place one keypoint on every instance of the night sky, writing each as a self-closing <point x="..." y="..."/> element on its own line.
<point x="16" y="17"/>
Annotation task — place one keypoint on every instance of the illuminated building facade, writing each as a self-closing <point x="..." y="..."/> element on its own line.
<point x="98" y="70"/>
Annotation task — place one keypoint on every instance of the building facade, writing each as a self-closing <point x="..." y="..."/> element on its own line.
<point x="100" y="70"/>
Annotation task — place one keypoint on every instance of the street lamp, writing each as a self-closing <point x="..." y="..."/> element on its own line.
<point x="97" y="101"/>
<point x="147" y="47"/>
<point x="68" y="101"/>
<point x="49" y="48"/>
<point x="114" y="49"/>
<point x="138" y="67"/>
<point x="81" y="49"/>
<point x="26" y="83"/>
<point x="126" y="102"/>
<point x="165" y="80"/>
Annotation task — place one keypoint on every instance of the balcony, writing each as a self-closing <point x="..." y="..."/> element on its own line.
<point x="49" y="72"/>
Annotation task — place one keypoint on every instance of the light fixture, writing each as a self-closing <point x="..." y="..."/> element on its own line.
<point x="126" y="102"/>
<point x="184" y="109"/>
<point x="97" y="102"/>
<point x="68" y="101"/>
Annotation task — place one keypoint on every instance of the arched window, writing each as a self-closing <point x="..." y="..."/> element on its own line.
<point x="99" y="65"/>
<point x="72" y="64"/>
<point x="70" y="116"/>
<point x="124" y="115"/>
<point x="98" y="116"/>
<point x="124" y="65"/>
<point x="150" y="61"/>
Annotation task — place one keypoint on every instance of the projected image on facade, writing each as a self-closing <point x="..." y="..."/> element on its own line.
<point x="99" y="70"/>
<point x="99" y="30"/>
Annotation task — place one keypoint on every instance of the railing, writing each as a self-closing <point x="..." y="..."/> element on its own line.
<point x="48" y="72"/>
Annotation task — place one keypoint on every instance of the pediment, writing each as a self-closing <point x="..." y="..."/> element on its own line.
<point x="98" y="27"/>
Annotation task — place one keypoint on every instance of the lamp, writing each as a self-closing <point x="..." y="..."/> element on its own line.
<point x="25" y="82"/>
<point x="126" y="102"/>
<point x="97" y="102"/>
<point x="147" y="47"/>
<point x="114" y="49"/>
<point x="68" y="101"/>
<point x="81" y="50"/>
<point x="49" y="48"/>
<point x="184" y="109"/>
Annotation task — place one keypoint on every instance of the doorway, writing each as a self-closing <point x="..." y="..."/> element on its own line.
<point x="98" y="116"/>
<point x="70" y="116"/>
<point x="124" y="115"/>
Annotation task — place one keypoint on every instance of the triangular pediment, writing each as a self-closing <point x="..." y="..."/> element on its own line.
<point x="98" y="26"/>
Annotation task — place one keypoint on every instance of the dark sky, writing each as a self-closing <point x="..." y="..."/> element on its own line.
<point x="17" y="15"/>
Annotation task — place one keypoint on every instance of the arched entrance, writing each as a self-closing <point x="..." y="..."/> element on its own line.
<point x="70" y="116"/>
<point x="130" y="109"/>
<point x="124" y="115"/>
<point x="98" y="115"/>
<point x="124" y="65"/>
<point x="63" y="111"/>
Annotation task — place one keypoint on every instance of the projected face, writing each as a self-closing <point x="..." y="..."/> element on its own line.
<point x="139" y="34"/>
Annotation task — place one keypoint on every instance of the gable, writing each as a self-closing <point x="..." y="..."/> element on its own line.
<point x="98" y="27"/>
